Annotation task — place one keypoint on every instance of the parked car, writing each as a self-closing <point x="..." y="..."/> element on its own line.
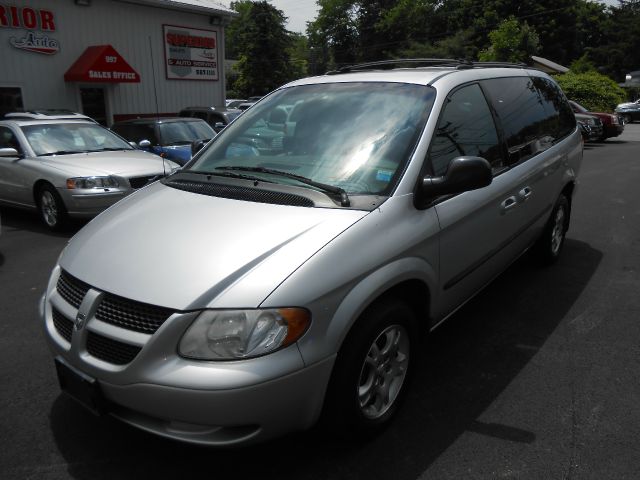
<point x="174" y="138"/>
<point x="312" y="266"/>
<point x="47" y="114"/>
<point x="612" y="124"/>
<point x="629" y="111"/>
<point x="590" y="126"/>
<point x="234" y="102"/>
<point x="69" y="167"/>
<point x="216" y="117"/>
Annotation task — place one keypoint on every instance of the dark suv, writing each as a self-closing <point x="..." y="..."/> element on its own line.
<point x="172" y="138"/>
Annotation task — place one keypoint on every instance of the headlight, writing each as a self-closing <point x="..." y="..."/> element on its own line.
<point x="238" y="334"/>
<point x="91" y="182"/>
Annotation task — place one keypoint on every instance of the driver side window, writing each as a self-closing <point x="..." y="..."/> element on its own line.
<point x="465" y="128"/>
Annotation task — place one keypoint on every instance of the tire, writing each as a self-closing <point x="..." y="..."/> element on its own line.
<point x="372" y="370"/>
<point x="550" y="244"/>
<point x="626" y="118"/>
<point x="51" y="207"/>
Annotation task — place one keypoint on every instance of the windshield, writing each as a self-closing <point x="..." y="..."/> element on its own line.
<point x="353" y="136"/>
<point x="63" y="138"/>
<point x="184" y="133"/>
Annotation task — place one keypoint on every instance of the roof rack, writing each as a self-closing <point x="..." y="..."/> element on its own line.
<point x="459" y="64"/>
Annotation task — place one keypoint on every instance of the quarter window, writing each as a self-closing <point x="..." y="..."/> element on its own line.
<point x="466" y="128"/>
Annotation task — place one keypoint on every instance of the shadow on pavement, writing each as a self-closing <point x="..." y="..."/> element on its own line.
<point x="468" y="362"/>
<point x="29" y="220"/>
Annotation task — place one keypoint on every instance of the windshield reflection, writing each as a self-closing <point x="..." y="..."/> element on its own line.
<point x="354" y="136"/>
<point x="67" y="138"/>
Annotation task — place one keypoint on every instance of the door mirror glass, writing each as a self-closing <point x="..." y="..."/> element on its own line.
<point x="464" y="174"/>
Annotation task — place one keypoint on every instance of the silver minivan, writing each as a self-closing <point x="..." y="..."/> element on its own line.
<point x="286" y="274"/>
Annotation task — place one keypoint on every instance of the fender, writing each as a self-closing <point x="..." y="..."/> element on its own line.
<point x="360" y="296"/>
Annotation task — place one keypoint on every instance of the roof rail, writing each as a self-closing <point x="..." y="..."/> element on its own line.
<point x="459" y="64"/>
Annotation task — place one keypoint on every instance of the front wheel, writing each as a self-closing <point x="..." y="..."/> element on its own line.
<point x="51" y="207"/>
<point x="372" y="370"/>
<point x="550" y="243"/>
<point x="626" y="118"/>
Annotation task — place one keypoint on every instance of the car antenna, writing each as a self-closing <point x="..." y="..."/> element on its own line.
<point x="155" y="94"/>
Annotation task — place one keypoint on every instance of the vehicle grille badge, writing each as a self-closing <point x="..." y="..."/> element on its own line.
<point x="80" y="321"/>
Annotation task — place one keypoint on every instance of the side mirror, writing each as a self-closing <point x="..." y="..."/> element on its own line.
<point x="144" y="144"/>
<point x="196" y="146"/>
<point x="463" y="174"/>
<point x="218" y="127"/>
<point x="9" y="152"/>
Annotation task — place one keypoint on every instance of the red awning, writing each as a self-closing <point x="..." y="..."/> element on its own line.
<point x="101" y="64"/>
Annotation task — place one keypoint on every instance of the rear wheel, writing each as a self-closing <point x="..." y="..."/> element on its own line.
<point x="550" y="243"/>
<point x="51" y="207"/>
<point x="372" y="370"/>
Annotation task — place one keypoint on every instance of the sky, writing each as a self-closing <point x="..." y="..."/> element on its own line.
<point x="299" y="12"/>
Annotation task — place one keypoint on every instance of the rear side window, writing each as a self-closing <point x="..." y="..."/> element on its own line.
<point x="561" y="118"/>
<point x="530" y="122"/>
<point x="465" y="128"/>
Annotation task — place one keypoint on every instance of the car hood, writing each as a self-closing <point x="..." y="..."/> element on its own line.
<point x="628" y="105"/>
<point x="125" y="163"/>
<point x="186" y="251"/>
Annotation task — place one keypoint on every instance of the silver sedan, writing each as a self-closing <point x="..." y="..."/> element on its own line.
<point x="70" y="168"/>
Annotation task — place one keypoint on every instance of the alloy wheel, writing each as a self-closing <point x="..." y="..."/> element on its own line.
<point x="383" y="372"/>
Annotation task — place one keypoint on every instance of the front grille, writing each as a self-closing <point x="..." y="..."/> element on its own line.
<point x="139" y="182"/>
<point x="137" y="316"/>
<point x="111" y="351"/>
<point x="241" y="193"/>
<point x="71" y="289"/>
<point x="63" y="325"/>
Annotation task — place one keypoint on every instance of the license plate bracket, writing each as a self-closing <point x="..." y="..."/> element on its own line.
<point x="81" y="387"/>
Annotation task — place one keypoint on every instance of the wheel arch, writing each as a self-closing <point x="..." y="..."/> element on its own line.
<point x="37" y="187"/>
<point x="411" y="280"/>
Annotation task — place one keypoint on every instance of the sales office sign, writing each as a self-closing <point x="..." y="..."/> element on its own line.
<point x="36" y="25"/>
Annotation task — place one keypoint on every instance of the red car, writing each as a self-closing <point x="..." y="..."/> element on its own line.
<point x="612" y="123"/>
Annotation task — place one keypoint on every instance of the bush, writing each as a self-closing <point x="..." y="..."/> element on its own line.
<point x="592" y="90"/>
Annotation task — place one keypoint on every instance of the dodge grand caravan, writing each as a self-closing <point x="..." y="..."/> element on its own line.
<point x="315" y="259"/>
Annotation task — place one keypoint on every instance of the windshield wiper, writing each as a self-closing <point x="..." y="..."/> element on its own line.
<point x="226" y="174"/>
<point x="111" y="149"/>
<point x="344" y="198"/>
<point x="63" y="152"/>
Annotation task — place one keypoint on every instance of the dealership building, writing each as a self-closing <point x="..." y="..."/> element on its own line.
<point x="112" y="59"/>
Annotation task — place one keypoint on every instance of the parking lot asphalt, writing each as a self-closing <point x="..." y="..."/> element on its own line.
<point x="536" y="378"/>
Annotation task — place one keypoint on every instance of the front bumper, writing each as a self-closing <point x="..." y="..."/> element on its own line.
<point x="202" y="402"/>
<point x="81" y="204"/>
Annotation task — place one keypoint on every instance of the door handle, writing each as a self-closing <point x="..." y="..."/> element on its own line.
<point x="508" y="204"/>
<point x="525" y="193"/>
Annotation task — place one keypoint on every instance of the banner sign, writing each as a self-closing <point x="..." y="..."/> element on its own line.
<point x="190" y="53"/>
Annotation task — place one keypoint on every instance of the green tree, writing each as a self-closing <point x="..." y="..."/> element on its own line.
<point x="333" y="35"/>
<point x="594" y="91"/>
<point x="263" y="47"/>
<point x="511" y="42"/>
